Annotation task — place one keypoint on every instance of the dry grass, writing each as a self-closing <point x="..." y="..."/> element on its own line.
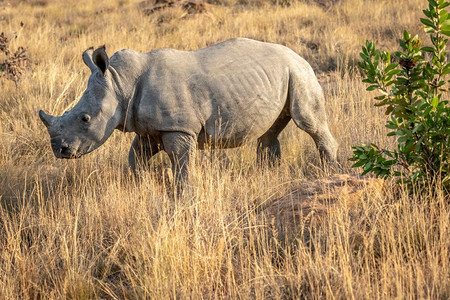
<point x="87" y="229"/>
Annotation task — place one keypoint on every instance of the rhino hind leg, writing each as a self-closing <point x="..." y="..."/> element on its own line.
<point x="141" y="151"/>
<point x="307" y="109"/>
<point x="268" y="149"/>
<point x="319" y="131"/>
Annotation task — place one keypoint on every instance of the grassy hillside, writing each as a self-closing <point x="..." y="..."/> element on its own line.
<point x="87" y="228"/>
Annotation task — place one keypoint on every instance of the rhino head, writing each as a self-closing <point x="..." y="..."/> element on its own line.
<point x="93" y="119"/>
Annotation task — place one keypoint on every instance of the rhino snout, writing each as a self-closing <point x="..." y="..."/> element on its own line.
<point x="63" y="150"/>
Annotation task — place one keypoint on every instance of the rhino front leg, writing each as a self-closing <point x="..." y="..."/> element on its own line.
<point x="181" y="148"/>
<point x="142" y="149"/>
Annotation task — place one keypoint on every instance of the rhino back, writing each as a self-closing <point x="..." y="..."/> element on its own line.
<point x="231" y="91"/>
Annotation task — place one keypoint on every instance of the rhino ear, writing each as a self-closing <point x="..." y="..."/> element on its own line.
<point x="46" y="118"/>
<point x="87" y="58"/>
<point x="101" y="59"/>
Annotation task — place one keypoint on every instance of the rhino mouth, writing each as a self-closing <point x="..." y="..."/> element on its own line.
<point x="68" y="156"/>
<point x="72" y="153"/>
<point x="64" y="151"/>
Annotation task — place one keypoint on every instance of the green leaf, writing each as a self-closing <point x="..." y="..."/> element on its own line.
<point x="372" y="87"/>
<point x="365" y="172"/>
<point x="427" y="22"/>
<point x="444" y="5"/>
<point x="408" y="147"/>
<point x="402" y="139"/>
<point x="389" y="109"/>
<point x="427" y="13"/>
<point x="418" y="128"/>
<point x="364" y="57"/>
<point x="446" y="69"/>
<point x="369" y="80"/>
<point x="388" y="153"/>
<point x="435" y="101"/>
<point x="445" y="27"/>
<point x="406" y="35"/>
<point x="358" y="164"/>
<point x="391" y="125"/>
<point x="443" y="15"/>
<point x="390" y="67"/>
<point x="427" y="49"/>
<point x="391" y="74"/>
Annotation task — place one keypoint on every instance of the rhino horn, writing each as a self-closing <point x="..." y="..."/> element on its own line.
<point x="101" y="59"/>
<point x="46" y="118"/>
<point x="87" y="58"/>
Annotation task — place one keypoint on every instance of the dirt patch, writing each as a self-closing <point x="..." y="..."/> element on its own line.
<point x="326" y="3"/>
<point x="35" y="3"/>
<point x="189" y="7"/>
<point x="312" y="200"/>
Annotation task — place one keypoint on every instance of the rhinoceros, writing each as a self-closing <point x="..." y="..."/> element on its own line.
<point x="177" y="101"/>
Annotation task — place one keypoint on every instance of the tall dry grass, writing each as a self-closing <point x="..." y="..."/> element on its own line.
<point x="88" y="229"/>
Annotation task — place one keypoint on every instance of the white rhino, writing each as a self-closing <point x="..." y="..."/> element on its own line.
<point x="178" y="101"/>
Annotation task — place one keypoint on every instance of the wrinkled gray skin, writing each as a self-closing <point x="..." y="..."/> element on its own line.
<point x="177" y="101"/>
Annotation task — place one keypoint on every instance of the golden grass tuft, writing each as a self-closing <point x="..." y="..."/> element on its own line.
<point x="88" y="229"/>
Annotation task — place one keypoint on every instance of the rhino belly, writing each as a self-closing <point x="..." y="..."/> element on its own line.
<point x="231" y="127"/>
<point x="241" y="107"/>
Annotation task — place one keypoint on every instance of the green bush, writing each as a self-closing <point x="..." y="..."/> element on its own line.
<point x="412" y="86"/>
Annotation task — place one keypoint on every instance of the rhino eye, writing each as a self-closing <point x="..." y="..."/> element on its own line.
<point x="86" y="118"/>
